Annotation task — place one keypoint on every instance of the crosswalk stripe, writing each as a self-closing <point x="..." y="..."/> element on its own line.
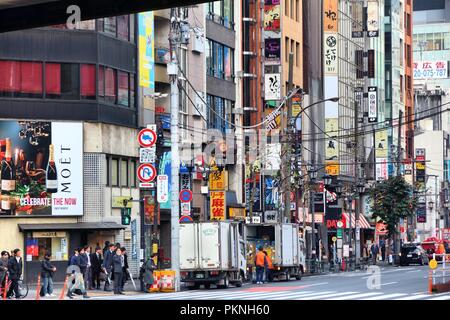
<point x="446" y="297"/>
<point x="264" y="296"/>
<point x="414" y="297"/>
<point x="387" y="296"/>
<point x="361" y="295"/>
<point x="243" y="295"/>
<point x="298" y="295"/>
<point x="321" y="295"/>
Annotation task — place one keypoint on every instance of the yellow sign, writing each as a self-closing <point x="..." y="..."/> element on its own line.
<point x="330" y="15"/>
<point x="433" y="264"/>
<point x="420" y="165"/>
<point x="218" y="205"/>
<point x="237" y="213"/>
<point x="218" y="180"/>
<point x="146" y="50"/>
<point x="296" y="105"/>
<point x="332" y="145"/>
<point x="52" y="234"/>
<point x="332" y="168"/>
<point x="117" y="202"/>
<point x="381" y="144"/>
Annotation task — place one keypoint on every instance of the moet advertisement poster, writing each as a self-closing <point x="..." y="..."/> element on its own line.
<point x="42" y="168"/>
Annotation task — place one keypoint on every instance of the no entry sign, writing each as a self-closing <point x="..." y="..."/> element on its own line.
<point x="147" y="138"/>
<point x="186" y="195"/>
<point x="146" y="172"/>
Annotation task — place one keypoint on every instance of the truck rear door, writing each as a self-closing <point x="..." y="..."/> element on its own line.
<point x="209" y="244"/>
<point x="287" y="248"/>
<point x="189" y="258"/>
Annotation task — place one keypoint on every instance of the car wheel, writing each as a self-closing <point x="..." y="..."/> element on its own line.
<point x="207" y="285"/>
<point x="226" y="283"/>
<point x="194" y="287"/>
<point x="288" y="276"/>
<point x="240" y="282"/>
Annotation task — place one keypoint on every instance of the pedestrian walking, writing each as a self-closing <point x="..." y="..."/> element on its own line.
<point x="125" y="268"/>
<point x="87" y="275"/>
<point x="3" y="267"/>
<point x="83" y="262"/>
<point x="76" y="282"/>
<point x="75" y="259"/>
<point x="374" y="250"/>
<point x="107" y="265"/>
<point x="47" y="272"/>
<point x="260" y="262"/>
<point x="96" y="268"/>
<point x="269" y="269"/>
<point x="15" y="265"/>
<point x="383" y="250"/>
<point x="105" y="248"/>
<point x="118" y="265"/>
<point x="149" y="267"/>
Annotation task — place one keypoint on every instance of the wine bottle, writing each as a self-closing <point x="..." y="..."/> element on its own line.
<point x="52" y="174"/>
<point x="8" y="178"/>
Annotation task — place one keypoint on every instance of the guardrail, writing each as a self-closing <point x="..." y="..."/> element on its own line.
<point x="439" y="274"/>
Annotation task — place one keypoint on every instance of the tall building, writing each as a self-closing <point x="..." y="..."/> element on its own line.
<point x="77" y="91"/>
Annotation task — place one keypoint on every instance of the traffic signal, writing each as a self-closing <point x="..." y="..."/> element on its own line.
<point x="126" y="216"/>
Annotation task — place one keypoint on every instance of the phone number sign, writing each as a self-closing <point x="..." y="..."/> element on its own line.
<point x="430" y="70"/>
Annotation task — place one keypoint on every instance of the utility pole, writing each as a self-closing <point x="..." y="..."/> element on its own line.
<point x="172" y="71"/>
<point x="287" y="166"/>
<point x="399" y="157"/>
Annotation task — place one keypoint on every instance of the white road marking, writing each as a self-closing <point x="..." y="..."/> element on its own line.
<point x="415" y="297"/>
<point x="387" y="296"/>
<point x="298" y="295"/>
<point x="386" y="284"/>
<point x="446" y="297"/>
<point x="355" y="296"/>
<point x="321" y="295"/>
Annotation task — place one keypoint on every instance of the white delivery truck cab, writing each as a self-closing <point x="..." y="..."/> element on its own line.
<point x="211" y="253"/>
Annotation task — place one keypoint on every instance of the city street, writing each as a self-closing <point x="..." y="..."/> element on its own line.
<point x="405" y="283"/>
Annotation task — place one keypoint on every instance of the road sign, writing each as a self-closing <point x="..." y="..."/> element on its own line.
<point x="339" y="233"/>
<point x="346" y="251"/>
<point x="334" y="239"/>
<point x="433" y="264"/>
<point x="147" y="138"/>
<point x="146" y="185"/>
<point x="185" y="195"/>
<point x="186" y="219"/>
<point x="146" y="172"/>
<point x="147" y="155"/>
<point x="162" y="193"/>
<point x="185" y="208"/>
<point x="340" y="224"/>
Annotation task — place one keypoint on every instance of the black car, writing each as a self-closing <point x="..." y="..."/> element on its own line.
<point x="413" y="254"/>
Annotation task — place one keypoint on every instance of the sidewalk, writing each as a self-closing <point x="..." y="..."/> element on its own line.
<point x="57" y="287"/>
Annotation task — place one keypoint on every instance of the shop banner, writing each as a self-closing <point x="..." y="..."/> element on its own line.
<point x="373" y="104"/>
<point x="381" y="144"/>
<point x="218" y="180"/>
<point x="357" y="22"/>
<point x="272" y="15"/>
<point x="272" y="157"/>
<point x="382" y="169"/>
<point x="44" y="176"/>
<point x="430" y="70"/>
<point x="271" y="193"/>
<point x="272" y="86"/>
<point x="332" y="145"/>
<point x="146" y="50"/>
<point x="372" y="19"/>
<point x="330" y="53"/>
<point x="330" y="15"/>
<point x="272" y="52"/>
<point x="218" y="205"/>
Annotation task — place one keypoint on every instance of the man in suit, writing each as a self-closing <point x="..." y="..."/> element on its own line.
<point x="15" y="272"/>
<point x="108" y="265"/>
<point x="96" y="267"/>
<point x="125" y="268"/>
<point x="118" y="265"/>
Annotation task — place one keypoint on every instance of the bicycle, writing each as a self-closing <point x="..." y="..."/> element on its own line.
<point x="23" y="288"/>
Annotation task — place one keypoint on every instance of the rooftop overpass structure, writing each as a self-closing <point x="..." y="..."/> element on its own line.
<point x="27" y="14"/>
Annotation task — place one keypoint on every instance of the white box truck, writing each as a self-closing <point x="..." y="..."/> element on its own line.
<point x="212" y="253"/>
<point x="282" y="243"/>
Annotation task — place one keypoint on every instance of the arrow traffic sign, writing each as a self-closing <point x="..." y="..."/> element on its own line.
<point x="146" y="172"/>
<point x="147" y="138"/>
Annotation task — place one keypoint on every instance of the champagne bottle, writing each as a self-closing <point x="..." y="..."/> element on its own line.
<point x="52" y="174"/>
<point x="8" y="178"/>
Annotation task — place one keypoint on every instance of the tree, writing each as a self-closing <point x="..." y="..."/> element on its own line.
<point x="392" y="201"/>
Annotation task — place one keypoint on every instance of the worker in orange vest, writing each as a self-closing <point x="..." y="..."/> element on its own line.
<point x="260" y="262"/>
<point x="269" y="269"/>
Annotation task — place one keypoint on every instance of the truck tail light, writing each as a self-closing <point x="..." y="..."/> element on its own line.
<point x="183" y="274"/>
<point x="214" y="273"/>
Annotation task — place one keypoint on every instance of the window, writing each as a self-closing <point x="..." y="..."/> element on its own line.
<point x="297" y="54"/>
<point x="222" y="111"/>
<point x="292" y="9"/>
<point x="123" y="98"/>
<point x="62" y="81"/>
<point x="209" y="57"/>
<point x="101" y="83"/>
<point x="123" y="28"/>
<point x="228" y="59"/>
<point x="115" y="172"/>
<point x="88" y="86"/>
<point x="40" y="243"/>
<point x="222" y="12"/>
<point x="132" y="93"/>
<point x="107" y="171"/>
<point x="286" y="49"/>
<point x="286" y="8"/>
<point x="110" y="26"/>
<point x="124" y="173"/>
<point x="132" y="173"/>
<point x="132" y="28"/>
<point x="110" y="85"/>
<point x="21" y="79"/>
<point x="219" y="60"/>
<point x="297" y="10"/>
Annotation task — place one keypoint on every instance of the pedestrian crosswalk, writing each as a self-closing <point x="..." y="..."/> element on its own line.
<point x="249" y="294"/>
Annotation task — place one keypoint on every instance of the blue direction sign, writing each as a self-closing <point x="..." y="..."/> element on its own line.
<point x="186" y="195"/>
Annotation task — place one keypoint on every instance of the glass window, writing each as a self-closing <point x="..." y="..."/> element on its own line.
<point x="228" y="19"/>
<point x="101" y="83"/>
<point x="86" y="25"/>
<point x="228" y="59"/>
<point x="88" y="87"/>
<point x="100" y="25"/>
<point x="21" y="79"/>
<point x="110" y="26"/>
<point x="209" y="57"/>
<point x="124" y="173"/>
<point x="40" y="243"/>
<point x="123" y="89"/>
<point x="62" y="81"/>
<point x="110" y="85"/>
<point x="107" y="171"/>
<point x="132" y="28"/>
<point x="115" y="172"/>
<point x="123" y="27"/>
<point x="218" y="60"/>
<point x="132" y="93"/>
<point x="132" y="173"/>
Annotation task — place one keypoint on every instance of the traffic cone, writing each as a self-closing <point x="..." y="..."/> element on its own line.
<point x="61" y="297"/>
<point x="430" y="282"/>
<point x="6" y="288"/>
<point x="38" y="289"/>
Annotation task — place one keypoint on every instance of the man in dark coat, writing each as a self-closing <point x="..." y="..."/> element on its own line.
<point x="125" y="267"/>
<point x="108" y="265"/>
<point x="96" y="267"/>
<point x="118" y="265"/>
<point x="15" y="272"/>
<point x="149" y="267"/>
<point x="47" y="271"/>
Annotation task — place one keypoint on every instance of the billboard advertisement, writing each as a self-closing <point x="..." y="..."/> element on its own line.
<point x="381" y="144"/>
<point x="272" y="15"/>
<point x="146" y="50"/>
<point x="41" y="168"/>
<point x="272" y="51"/>
<point x="332" y="145"/>
<point x="430" y="70"/>
<point x="372" y="19"/>
<point x="272" y="86"/>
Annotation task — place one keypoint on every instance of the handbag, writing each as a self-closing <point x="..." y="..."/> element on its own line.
<point x="102" y="276"/>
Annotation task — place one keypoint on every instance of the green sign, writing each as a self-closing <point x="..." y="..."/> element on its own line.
<point x="339" y="233"/>
<point x="126" y="216"/>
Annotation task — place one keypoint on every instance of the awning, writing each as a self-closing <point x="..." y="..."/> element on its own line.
<point x="363" y="223"/>
<point x="71" y="226"/>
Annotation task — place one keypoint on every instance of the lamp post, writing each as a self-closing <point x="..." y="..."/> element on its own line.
<point x="360" y="188"/>
<point x="312" y="172"/>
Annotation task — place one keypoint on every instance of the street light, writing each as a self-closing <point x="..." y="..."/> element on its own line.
<point x="361" y="187"/>
<point x="431" y="204"/>
<point x="312" y="172"/>
<point x="339" y="188"/>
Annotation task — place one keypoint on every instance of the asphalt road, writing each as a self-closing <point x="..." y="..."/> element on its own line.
<point x="391" y="283"/>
